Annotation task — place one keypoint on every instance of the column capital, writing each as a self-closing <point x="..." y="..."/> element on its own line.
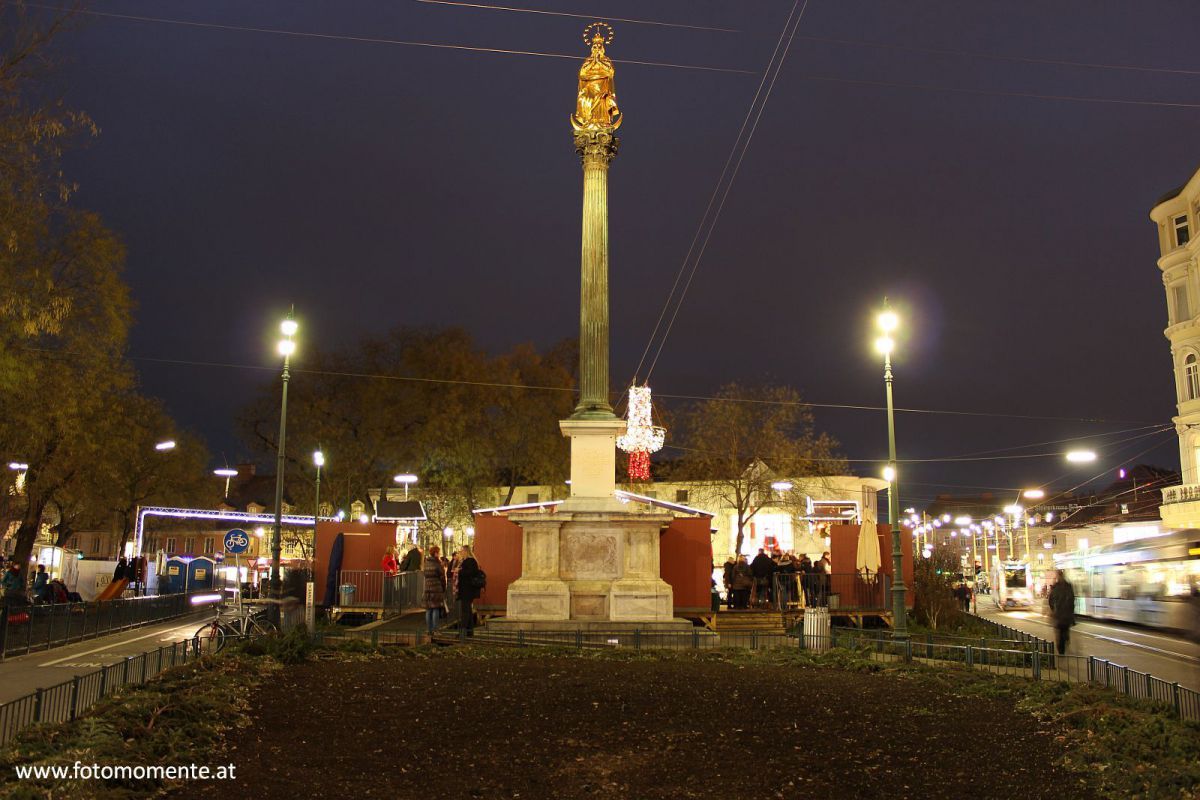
<point x="596" y="145"/>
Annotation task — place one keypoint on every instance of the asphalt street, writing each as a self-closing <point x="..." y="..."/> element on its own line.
<point x="1164" y="655"/>
<point x="24" y="674"/>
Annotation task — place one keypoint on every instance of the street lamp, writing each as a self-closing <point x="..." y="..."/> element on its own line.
<point x="167" y="445"/>
<point x="887" y="322"/>
<point x="1081" y="456"/>
<point x="228" y="474"/>
<point x="319" y="460"/>
<point x="286" y="347"/>
<point x="407" y="480"/>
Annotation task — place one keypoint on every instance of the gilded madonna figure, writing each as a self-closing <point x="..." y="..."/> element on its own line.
<point x="596" y="105"/>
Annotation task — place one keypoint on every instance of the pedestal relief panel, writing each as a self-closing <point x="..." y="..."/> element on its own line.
<point x="589" y="554"/>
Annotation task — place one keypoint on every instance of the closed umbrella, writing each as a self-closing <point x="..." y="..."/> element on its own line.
<point x="868" y="560"/>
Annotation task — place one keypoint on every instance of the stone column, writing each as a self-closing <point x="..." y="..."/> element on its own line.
<point x="596" y="147"/>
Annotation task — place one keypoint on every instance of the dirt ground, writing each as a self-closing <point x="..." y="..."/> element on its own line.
<point x="562" y="727"/>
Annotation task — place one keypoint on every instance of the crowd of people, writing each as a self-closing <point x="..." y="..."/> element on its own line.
<point x="40" y="588"/>
<point x="458" y="579"/>
<point x="777" y="580"/>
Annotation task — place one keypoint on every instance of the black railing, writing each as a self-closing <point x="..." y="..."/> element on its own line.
<point x="375" y="589"/>
<point x="24" y="629"/>
<point x="841" y="591"/>
<point x="65" y="701"/>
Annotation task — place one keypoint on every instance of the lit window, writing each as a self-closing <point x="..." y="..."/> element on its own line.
<point x="1181" y="230"/>
<point x="1191" y="376"/>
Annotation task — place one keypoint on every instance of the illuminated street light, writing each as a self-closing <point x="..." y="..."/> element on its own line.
<point x="167" y="445"/>
<point x="228" y="474"/>
<point x="286" y="347"/>
<point x="1013" y="509"/>
<point x="1033" y="494"/>
<point x="407" y="480"/>
<point x="963" y="520"/>
<point x="887" y="321"/>
<point x="1081" y="456"/>
<point x="319" y="461"/>
<point x="18" y="466"/>
<point x="782" y="486"/>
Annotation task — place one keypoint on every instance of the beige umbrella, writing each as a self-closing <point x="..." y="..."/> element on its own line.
<point x="868" y="560"/>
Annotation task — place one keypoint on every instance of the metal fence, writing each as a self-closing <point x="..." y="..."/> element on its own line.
<point x="1025" y="656"/>
<point x="24" y="629"/>
<point x="67" y="700"/>
<point x="375" y="589"/>
<point x="847" y="591"/>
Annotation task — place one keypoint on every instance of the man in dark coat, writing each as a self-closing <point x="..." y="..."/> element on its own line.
<point x="727" y="580"/>
<point x="763" y="568"/>
<point x="412" y="560"/>
<point x="1062" y="610"/>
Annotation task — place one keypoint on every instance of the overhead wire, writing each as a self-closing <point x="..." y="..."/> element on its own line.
<point x="716" y="188"/>
<point x="489" y="7"/>
<point x="728" y="186"/>
<point x="367" y="39"/>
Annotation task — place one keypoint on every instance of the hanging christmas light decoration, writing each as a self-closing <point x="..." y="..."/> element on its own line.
<point x="642" y="437"/>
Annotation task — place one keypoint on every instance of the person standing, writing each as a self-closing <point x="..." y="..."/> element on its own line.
<point x="1062" y="609"/>
<point x="14" y="587"/>
<point x="470" y="583"/>
<point x="743" y="581"/>
<point x="786" y="576"/>
<point x="763" y="568"/>
<point x="435" y="588"/>
<point x="727" y="580"/>
<point x="412" y="560"/>
<point x="824" y="569"/>
<point x="40" y="580"/>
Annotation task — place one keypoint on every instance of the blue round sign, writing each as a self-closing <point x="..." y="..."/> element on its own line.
<point x="237" y="541"/>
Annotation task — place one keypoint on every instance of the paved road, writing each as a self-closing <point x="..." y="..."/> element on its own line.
<point x="21" y="675"/>
<point x="1163" y="655"/>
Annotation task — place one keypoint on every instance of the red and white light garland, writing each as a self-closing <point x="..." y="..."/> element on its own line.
<point x="642" y="437"/>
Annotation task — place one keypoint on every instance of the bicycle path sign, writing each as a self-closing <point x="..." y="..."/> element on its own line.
<point x="237" y="541"/>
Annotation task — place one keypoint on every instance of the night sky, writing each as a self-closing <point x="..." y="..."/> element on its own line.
<point x="375" y="184"/>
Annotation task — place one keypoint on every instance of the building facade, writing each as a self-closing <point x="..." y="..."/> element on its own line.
<point x="1177" y="215"/>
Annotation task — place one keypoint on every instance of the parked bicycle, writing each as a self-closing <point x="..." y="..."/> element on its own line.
<point x="233" y="622"/>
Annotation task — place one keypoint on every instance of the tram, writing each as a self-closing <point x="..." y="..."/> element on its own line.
<point x="1012" y="585"/>
<point x="1152" y="581"/>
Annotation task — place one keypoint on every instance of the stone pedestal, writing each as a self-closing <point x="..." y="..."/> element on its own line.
<point x="590" y="566"/>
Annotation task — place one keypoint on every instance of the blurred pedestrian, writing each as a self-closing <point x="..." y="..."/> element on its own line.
<point x="1062" y="609"/>
<point x="435" y="588"/>
<point x="471" y="582"/>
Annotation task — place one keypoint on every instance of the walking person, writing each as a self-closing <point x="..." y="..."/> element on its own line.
<point x="1062" y="609"/>
<point x="435" y="589"/>
<point x="471" y="581"/>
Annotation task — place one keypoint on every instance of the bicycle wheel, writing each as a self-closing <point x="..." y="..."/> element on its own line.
<point x="210" y="638"/>
<point x="262" y="626"/>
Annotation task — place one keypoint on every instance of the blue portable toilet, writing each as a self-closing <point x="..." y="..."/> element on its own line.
<point x="175" y="575"/>
<point x="200" y="574"/>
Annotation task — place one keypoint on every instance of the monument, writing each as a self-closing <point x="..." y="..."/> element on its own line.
<point x="595" y="560"/>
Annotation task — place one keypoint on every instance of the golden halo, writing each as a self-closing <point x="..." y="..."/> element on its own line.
<point x="587" y="32"/>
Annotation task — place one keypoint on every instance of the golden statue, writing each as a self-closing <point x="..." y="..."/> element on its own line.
<point x="596" y="106"/>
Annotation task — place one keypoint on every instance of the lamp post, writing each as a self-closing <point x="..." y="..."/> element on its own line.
<point x="286" y="347"/>
<point x="319" y="460"/>
<point x="228" y="474"/>
<point x="888" y="322"/>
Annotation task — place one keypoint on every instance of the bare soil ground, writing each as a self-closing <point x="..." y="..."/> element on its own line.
<point x="504" y="724"/>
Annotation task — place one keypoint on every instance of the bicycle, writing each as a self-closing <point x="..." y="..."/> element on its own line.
<point x="239" y="622"/>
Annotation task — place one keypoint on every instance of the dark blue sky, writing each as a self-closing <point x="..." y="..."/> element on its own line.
<point x="375" y="184"/>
